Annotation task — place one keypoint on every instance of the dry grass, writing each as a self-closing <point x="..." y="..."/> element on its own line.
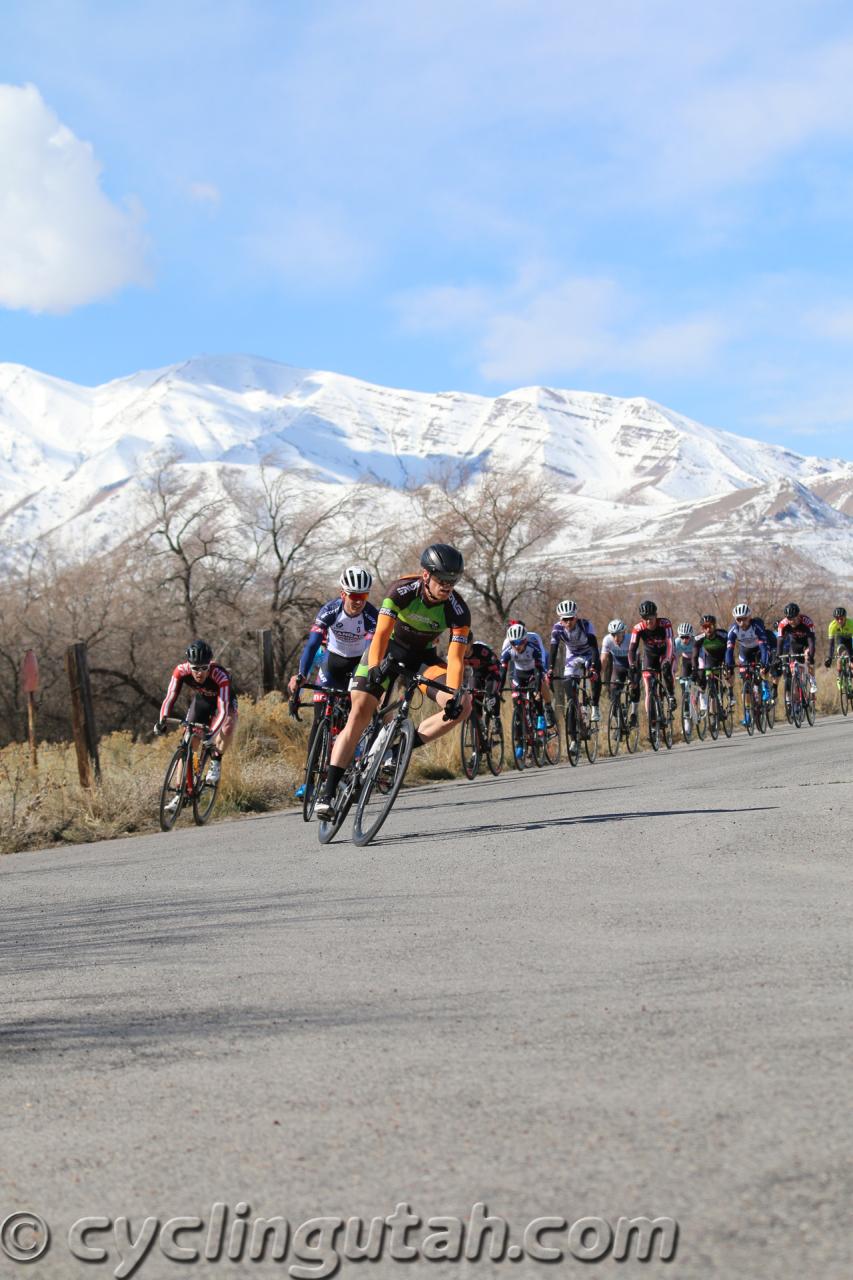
<point x="260" y="773"/>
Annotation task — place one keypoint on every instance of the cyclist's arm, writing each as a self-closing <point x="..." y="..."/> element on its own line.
<point x="456" y="657"/>
<point x="172" y="692"/>
<point x="316" y="636"/>
<point x="730" y="651"/>
<point x="223" y="701"/>
<point x="381" y="637"/>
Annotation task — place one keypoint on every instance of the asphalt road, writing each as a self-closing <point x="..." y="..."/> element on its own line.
<point x="596" y="993"/>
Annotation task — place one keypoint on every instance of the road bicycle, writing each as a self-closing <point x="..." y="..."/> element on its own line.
<point x="659" y="713"/>
<point x="619" y="727"/>
<point x="693" y="715"/>
<point x="845" y="681"/>
<point x="482" y="735"/>
<point x="186" y="779"/>
<point x="754" y="698"/>
<point x="799" y="697"/>
<point x="580" y="727"/>
<point x="528" y="728"/>
<point x="375" y="775"/>
<point x="335" y="713"/>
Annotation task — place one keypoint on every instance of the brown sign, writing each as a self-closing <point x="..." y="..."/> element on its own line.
<point x="30" y="672"/>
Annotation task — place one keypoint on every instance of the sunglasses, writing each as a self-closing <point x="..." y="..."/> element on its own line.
<point x="358" y="597"/>
<point x="206" y="667"/>
<point x="443" y="582"/>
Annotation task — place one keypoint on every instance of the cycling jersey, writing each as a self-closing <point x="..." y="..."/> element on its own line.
<point x="343" y="635"/>
<point x="409" y="628"/>
<point x="709" y="651"/>
<point x="796" y="637"/>
<point x="618" y="653"/>
<point x="577" y="635"/>
<point x="842" y="634"/>
<point x="215" y="688"/>
<point x="655" y="635"/>
<point x="484" y="665"/>
<point x="531" y="657"/>
<point x="684" y="650"/>
<point x="746" y="640"/>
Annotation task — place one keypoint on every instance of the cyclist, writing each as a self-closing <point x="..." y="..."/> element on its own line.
<point x="685" y="645"/>
<point x="577" y="635"/>
<point x="709" y="653"/>
<point x="655" y="635"/>
<point x="344" y="625"/>
<point x="840" y="636"/>
<point x="526" y="652"/>
<point x="614" y="660"/>
<point x="213" y="702"/>
<point x="747" y="640"/>
<point x="484" y="667"/>
<point x="796" y="635"/>
<point x="414" y="613"/>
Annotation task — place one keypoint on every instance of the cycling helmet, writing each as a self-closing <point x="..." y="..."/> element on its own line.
<point x="685" y="630"/>
<point x="444" y="562"/>
<point x="199" y="653"/>
<point x="516" y="632"/>
<point x="708" y="620"/>
<point x="616" y="627"/>
<point x="355" y="578"/>
<point x="567" y="609"/>
<point x="647" y="609"/>
<point x="741" y="611"/>
<point x="840" y="612"/>
<point x="792" y="610"/>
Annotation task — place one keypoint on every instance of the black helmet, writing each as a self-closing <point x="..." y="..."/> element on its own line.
<point x="709" y="619"/>
<point x="840" y="612"/>
<point x="444" y="562"/>
<point x="199" y="653"/>
<point x="648" y="609"/>
<point x="792" y="610"/>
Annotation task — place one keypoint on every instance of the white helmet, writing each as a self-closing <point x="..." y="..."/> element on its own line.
<point x="685" y="630"/>
<point x="516" y="632"/>
<point x="616" y="627"/>
<point x="356" y="578"/>
<point x="740" y="611"/>
<point x="567" y="609"/>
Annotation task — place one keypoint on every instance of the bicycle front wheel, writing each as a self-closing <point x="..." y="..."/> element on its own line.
<point x="713" y="713"/>
<point x="668" y="732"/>
<point x="700" y="716"/>
<point x="655" y="716"/>
<point x="173" y="793"/>
<point x="494" y="744"/>
<point x="686" y="718"/>
<point x="614" y="728"/>
<point x="796" y="701"/>
<point x="727" y="710"/>
<point x="759" y="707"/>
<point x="770" y="709"/>
<point x="383" y="781"/>
<point x="519" y="744"/>
<point x="810" y="706"/>
<point x="469" y="747"/>
<point x="552" y="744"/>
<point x="590" y="742"/>
<point x="844" y="688"/>
<point x="316" y="769"/>
<point x="204" y="792"/>
<point x="573" y="740"/>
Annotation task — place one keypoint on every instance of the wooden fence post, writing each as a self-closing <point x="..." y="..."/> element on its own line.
<point x="82" y="713"/>
<point x="30" y="684"/>
<point x="265" y="658"/>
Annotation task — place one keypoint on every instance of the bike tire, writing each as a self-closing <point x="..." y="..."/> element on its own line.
<point x="494" y="744"/>
<point x="655" y="713"/>
<point x="537" y="742"/>
<point x="383" y="788"/>
<point x="553" y="748"/>
<point x="316" y="768"/>
<point x="844" y="691"/>
<point x="701" y="717"/>
<point x="713" y="714"/>
<point x="748" y="708"/>
<point x="573" y="755"/>
<point x="770" y="710"/>
<point x="632" y="733"/>
<point x="668" y="729"/>
<point x="469" y="747"/>
<point x="174" y="784"/>
<point x="614" y="728"/>
<point x="810" y="707"/>
<point x="796" y="702"/>
<point x="590" y="742"/>
<point x="727" y="703"/>
<point x="759" y="708"/>
<point x="686" y="720"/>
<point x="348" y="786"/>
<point x="519" y="743"/>
<point x="204" y="793"/>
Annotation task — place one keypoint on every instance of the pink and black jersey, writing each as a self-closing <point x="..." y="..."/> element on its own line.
<point x="216" y="685"/>
<point x="655" y="635"/>
<point x="796" y="637"/>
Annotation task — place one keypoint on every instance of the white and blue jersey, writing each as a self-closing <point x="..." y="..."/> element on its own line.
<point x="745" y="640"/>
<point x="532" y="657"/>
<point x="617" y="650"/>
<point x="345" y="637"/>
<point x="580" y="644"/>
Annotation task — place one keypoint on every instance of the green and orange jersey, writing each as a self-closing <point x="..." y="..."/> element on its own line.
<point x="408" y="619"/>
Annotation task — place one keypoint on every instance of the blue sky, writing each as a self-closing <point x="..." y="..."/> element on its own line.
<point x="637" y="198"/>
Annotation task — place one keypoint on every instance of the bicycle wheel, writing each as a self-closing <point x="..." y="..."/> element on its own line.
<point x="700" y="716"/>
<point x="748" y="713"/>
<point x="519" y="743"/>
<point x="632" y="731"/>
<point x="758" y="707"/>
<point x="770" y="707"/>
<point x="810" y="705"/>
<point x="614" y="727"/>
<point x="796" y="700"/>
<point x="552" y="744"/>
<point x="789" y="698"/>
<point x="383" y="782"/>
<point x="174" y="788"/>
<point x="844" y="688"/>
<point x="494" y="744"/>
<point x="655" y="714"/>
<point x="573" y="752"/>
<point x="316" y="768"/>
<point x="469" y="746"/>
<point x="667" y="725"/>
<point x="590" y="741"/>
<point x="536" y="738"/>
<point x="713" y="711"/>
<point x="349" y="785"/>
<point x="727" y="710"/>
<point x="204" y="792"/>
<point x="686" y="717"/>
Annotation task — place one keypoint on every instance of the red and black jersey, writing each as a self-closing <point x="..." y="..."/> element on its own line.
<point x="216" y="685"/>
<point x="484" y="662"/>
<point x="796" y="637"/>
<point x="655" y="634"/>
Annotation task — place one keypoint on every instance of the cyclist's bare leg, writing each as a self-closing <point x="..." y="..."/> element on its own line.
<point x="363" y="707"/>
<point x="436" y="726"/>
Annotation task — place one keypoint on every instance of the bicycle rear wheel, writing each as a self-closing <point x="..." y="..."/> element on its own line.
<point x="700" y="716"/>
<point x="810" y="706"/>
<point x="552" y="744"/>
<point x="174" y="788"/>
<point x="494" y="743"/>
<point x="204" y="792"/>
<point x="316" y="768"/>
<point x="469" y="746"/>
<point x="519" y="742"/>
<point x="573" y="752"/>
<point x="614" y="727"/>
<point x="844" y="688"/>
<point x="632" y="731"/>
<point x="383" y="782"/>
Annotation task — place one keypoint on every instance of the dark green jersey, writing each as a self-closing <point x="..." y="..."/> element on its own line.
<point x="418" y="624"/>
<point x="713" y="646"/>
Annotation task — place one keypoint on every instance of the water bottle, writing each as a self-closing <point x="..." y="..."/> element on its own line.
<point x="540" y="721"/>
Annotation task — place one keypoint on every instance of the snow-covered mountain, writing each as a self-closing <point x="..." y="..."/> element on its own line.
<point x="648" y="489"/>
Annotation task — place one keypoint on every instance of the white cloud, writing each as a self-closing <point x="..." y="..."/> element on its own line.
<point x="205" y="193"/>
<point x="63" y="243"/>
<point x="544" y="326"/>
